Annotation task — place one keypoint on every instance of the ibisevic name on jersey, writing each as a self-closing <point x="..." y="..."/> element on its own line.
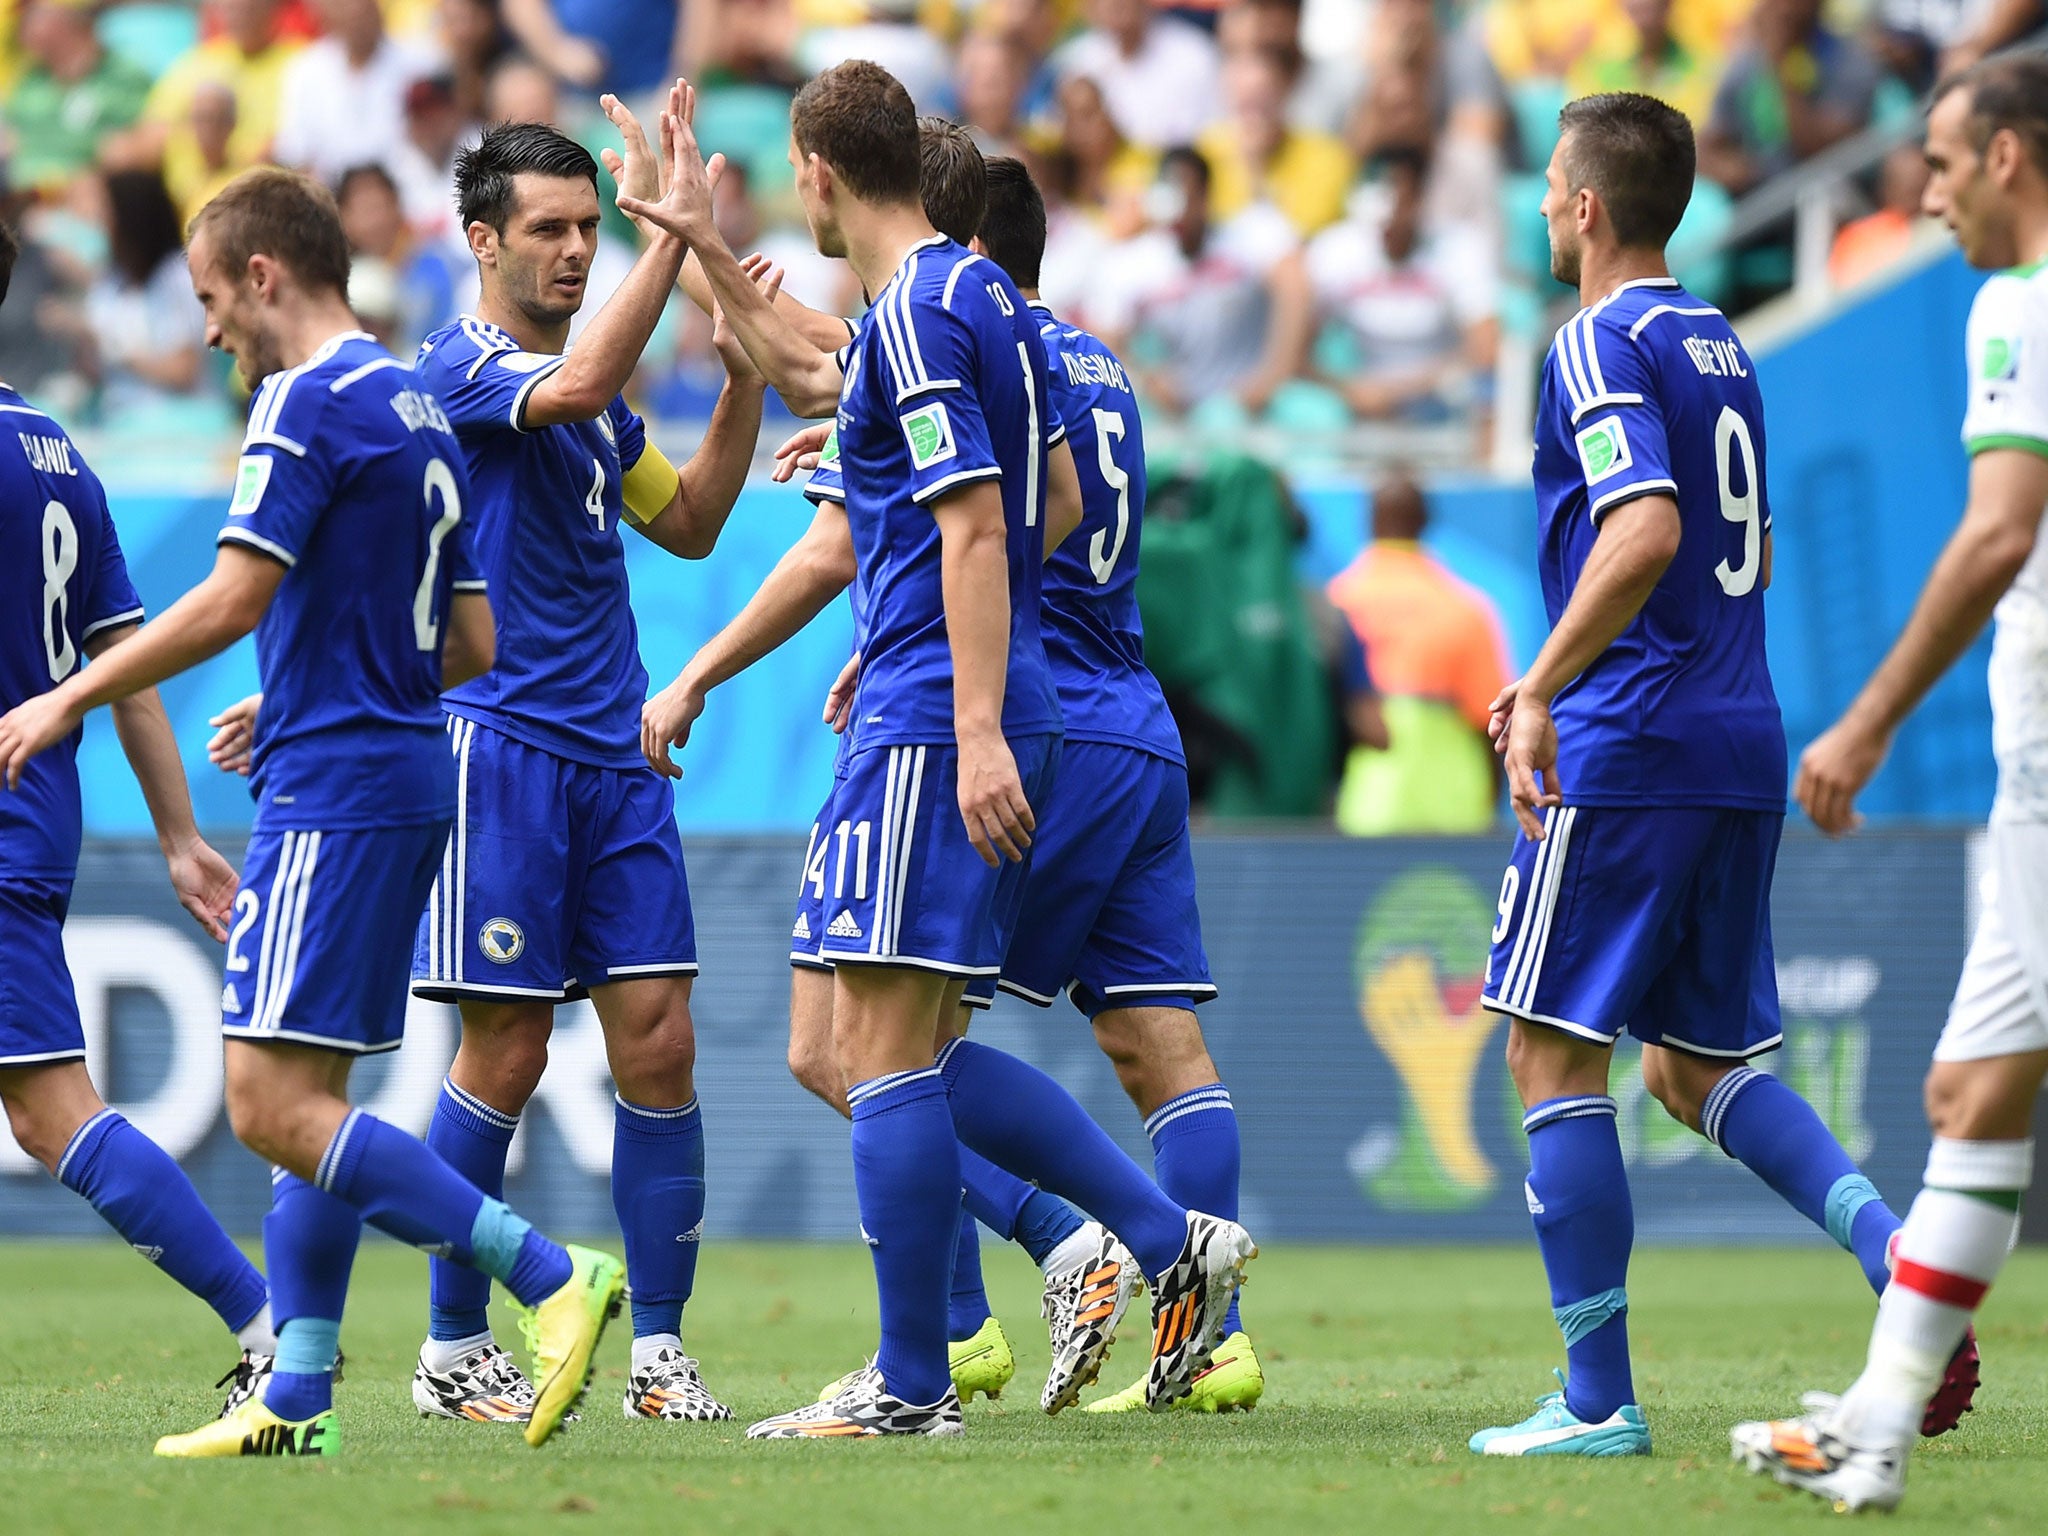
<point x="1094" y="641"/>
<point x="351" y="477"/>
<point x="60" y="559"/>
<point x="910" y="430"/>
<point x="1648" y="392"/>
<point x="568" y="677"/>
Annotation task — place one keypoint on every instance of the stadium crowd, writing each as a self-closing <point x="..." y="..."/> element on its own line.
<point x="1290" y="210"/>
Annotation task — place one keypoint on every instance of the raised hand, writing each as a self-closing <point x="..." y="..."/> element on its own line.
<point x="768" y="278"/>
<point x="640" y="172"/>
<point x="234" y="736"/>
<point x="684" y="205"/>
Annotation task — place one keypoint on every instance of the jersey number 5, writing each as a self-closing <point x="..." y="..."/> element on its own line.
<point x="1731" y="436"/>
<point x="1109" y="428"/>
<point x="440" y="487"/>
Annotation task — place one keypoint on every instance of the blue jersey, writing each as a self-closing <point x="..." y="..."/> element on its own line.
<point x="1093" y="638"/>
<point x="1649" y="393"/>
<point x="945" y="385"/>
<point x="62" y="581"/>
<point x="351" y="478"/>
<point x="547" y="509"/>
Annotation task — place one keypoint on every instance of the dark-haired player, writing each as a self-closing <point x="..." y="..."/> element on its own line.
<point x="565" y="876"/>
<point x="346" y="552"/>
<point x="1646" y="762"/>
<point x="1987" y="149"/>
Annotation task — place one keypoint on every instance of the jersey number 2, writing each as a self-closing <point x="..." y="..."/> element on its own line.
<point x="60" y="564"/>
<point x="440" y="486"/>
<point x="1731" y="436"/>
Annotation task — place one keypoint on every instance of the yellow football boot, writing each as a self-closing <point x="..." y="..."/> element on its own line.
<point x="562" y="1332"/>
<point x="253" y="1430"/>
<point x="1232" y="1383"/>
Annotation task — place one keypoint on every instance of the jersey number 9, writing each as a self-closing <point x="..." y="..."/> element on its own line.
<point x="1731" y="436"/>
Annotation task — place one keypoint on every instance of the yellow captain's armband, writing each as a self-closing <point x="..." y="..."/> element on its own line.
<point x="650" y="485"/>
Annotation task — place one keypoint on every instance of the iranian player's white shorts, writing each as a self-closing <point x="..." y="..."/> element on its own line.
<point x="2001" y="1002"/>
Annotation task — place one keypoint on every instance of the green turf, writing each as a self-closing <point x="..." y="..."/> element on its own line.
<point x="1380" y="1363"/>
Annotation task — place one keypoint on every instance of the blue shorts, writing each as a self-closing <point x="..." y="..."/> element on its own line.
<point x="38" y="1005"/>
<point x="807" y="933"/>
<point x="560" y="877"/>
<point x="1652" y="920"/>
<point x="321" y="935"/>
<point x="1109" y="911"/>
<point x="892" y="870"/>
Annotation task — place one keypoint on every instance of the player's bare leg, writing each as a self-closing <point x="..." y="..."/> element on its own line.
<point x="1164" y="1065"/>
<point x="1585" y="1226"/>
<point x="59" y="1119"/>
<point x="813" y="1059"/>
<point x="462" y="1371"/>
<point x="657" y="1185"/>
<point x="907" y="1174"/>
<point x="1853" y="1450"/>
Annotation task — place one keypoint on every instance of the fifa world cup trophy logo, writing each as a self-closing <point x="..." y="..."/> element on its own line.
<point x="1419" y="965"/>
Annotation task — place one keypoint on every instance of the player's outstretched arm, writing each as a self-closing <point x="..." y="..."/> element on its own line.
<point x="469" y="640"/>
<point x="204" y="881"/>
<point x="974" y="577"/>
<point x="2008" y="489"/>
<point x="828" y="333"/>
<point x="1636" y="543"/>
<point x="708" y="486"/>
<point x="203" y="623"/>
<point x="813" y="571"/>
<point x="807" y="378"/>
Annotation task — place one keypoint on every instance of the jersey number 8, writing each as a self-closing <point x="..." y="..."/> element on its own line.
<point x="60" y="564"/>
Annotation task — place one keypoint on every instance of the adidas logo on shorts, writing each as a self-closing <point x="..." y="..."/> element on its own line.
<point x="802" y="930"/>
<point x="843" y="927"/>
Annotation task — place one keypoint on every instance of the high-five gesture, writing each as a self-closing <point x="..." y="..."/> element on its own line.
<point x="683" y="207"/>
<point x="640" y="172"/>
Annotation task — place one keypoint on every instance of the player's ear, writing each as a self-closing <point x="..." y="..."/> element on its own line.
<point x="2002" y="156"/>
<point x="483" y="242"/>
<point x="263" y="274"/>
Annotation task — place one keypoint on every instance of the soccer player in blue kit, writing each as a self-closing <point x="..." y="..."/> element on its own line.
<point x="1646" y="764"/>
<point x="344" y="550"/>
<point x="941" y="433"/>
<point x="564" y="877"/>
<point x="73" y="601"/>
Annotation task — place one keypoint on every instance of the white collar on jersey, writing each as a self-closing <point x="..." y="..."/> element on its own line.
<point x="1634" y="282"/>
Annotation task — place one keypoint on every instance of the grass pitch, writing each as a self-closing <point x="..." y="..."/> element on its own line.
<point x="1379" y="1363"/>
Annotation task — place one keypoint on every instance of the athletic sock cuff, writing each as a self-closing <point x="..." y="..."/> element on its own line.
<point x="1215" y="1098"/>
<point x="1580" y="1318"/>
<point x="1720" y="1098"/>
<point x="1979" y="1167"/>
<point x="306" y="1346"/>
<point x="683" y="1120"/>
<point x="893" y="1091"/>
<point x="75" y="1166"/>
<point x="1846" y="1199"/>
<point x="1550" y="1111"/>
<point x="338" y="1163"/>
<point x="474" y="1115"/>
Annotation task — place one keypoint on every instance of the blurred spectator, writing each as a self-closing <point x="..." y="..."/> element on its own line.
<point x="1158" y="74"/>
<point x="628" y="47"/>
<point x="1792" y="91"/>
<point x="1652" y="60"/>
<point x="1415" y="315"/>
<point x="890" y="34"/>
<point x="421" y="276"/>
<point x="73" y="93"/>
<point x="1034" y="27"/>
<point x="199" y="156"/>
<point x="1439" y="661"/>
<point x="249" y="54"/>
<point x="2006" y="21"/>
<point x="423" y="164"/>
<point x="994" y="74"/>
<point x="520" y="91"/>
<point x="1254" y="156"/>
<point x="144" y="334"/>
<point x="1199" y="309"/>
<point x="1098" y="170"/>
<point x="825" y="283"/>
<point x="344" y="96"/>
<point x="473" y="37"/>
<point x="1868" y="245"/>
<point x="1545" y="39"/>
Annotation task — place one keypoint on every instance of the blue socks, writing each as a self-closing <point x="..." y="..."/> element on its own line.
<point x="906" y="1172"/>
<point x="1014" y="1210"/>
<point x="967" y="1309"/>
<point x="473" y="1139"/>
<point x="1195" y="1157"/>
<point x="144" y="1195"/>
<point x="401" y="1187"/>
<point x="309" y="1246"/>
<point x="1773" y="1132"/>
<point x="658" y="1192"/>
<point x="1017" y="1117"/>
<point x="1585" y="1225"/>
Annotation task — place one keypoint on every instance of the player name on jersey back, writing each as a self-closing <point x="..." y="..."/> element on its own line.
<point x="1649" y="393"/>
